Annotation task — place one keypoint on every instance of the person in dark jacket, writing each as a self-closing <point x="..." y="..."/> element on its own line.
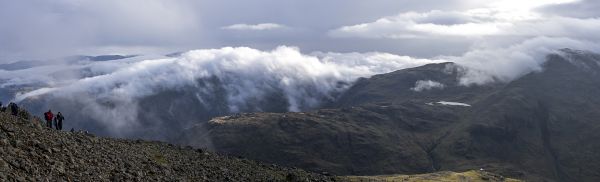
<point x="14" y="109"/>
<point x="59" y="120"/>
<point x="48" y="116"/>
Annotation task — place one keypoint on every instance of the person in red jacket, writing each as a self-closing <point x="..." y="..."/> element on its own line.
<point x="48" y="116"/>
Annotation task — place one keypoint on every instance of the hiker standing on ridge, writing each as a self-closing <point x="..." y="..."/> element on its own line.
<point x="58" y="121"/>
<point x="48" y="116"/>
<point x="14" y="109"/>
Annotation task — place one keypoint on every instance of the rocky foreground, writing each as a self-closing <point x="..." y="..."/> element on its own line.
<point x="30" y="152"/>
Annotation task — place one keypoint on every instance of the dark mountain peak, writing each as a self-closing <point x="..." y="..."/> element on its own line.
<point x="445" y="68"/>
<point x="175" y="54"/>
<point x="26" y="64"/>
<point x="577" y="61"/>
<point x="574" y="51"/>
<point x="436" y="66"/>
<point x="428" y="83"/>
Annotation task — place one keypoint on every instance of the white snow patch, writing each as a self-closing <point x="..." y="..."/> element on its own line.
<point x="448" y="104"/>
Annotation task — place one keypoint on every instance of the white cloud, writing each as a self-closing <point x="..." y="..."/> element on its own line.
<point x="416" y="25"/>
<point x="262" y="26"/>
<point x="422" y="85"/>
<point x="503" y="18"/>
<point x="489" y="64"/>
<point x="374" y="62"/>
<point x="526" y="5"/>
<point x="509" y="38"/>
<point x="246" y="75"/>
<point x="38" y="29"/>
<point x="578" y="9"/>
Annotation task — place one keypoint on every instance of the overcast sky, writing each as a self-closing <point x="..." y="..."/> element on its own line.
<point x="41" y="29"/>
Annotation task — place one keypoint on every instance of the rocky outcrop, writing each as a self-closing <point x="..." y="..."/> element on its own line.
<point x="30" y="152"/>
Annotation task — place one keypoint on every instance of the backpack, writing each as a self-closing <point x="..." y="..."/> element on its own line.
<point x="48" y="115"/>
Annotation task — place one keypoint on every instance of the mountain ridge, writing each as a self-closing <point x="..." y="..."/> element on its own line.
<point x="528" y="128"/>
<point x="30" y="152"/>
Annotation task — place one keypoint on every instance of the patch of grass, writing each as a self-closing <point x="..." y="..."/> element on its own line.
<point x="159" y="158"/>
<point x="469" y="176"/>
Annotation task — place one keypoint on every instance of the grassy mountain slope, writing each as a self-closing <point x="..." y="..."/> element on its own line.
<point x="444" y="176"/>
<point x="30" y="152"/>
<point x="540" y="127"/>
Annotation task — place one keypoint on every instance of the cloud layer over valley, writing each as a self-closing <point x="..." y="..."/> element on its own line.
<point x="111" y="90"/>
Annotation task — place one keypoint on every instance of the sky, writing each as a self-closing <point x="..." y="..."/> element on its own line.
<point x="40" y="29"/>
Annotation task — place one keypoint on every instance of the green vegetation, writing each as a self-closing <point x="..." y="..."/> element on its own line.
<point x="159" y="158"/>
<point x="469" y="176"/>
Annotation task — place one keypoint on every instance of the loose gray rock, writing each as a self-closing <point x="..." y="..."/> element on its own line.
<point x="31" y="154"/>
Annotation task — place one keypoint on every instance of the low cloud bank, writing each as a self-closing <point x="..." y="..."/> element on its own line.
<point x="111" y="91"/>
<point x="509" y="38"/>
<point x="490" y="64"/>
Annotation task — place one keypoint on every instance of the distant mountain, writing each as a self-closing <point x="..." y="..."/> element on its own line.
<point x="542" y="126"/>
<point x="19" y="65"/>
<point x="8" y="92"/>
<point x="25" y="64"/>
<point x="100" y="58"/>
<point x="426" y="83"/>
